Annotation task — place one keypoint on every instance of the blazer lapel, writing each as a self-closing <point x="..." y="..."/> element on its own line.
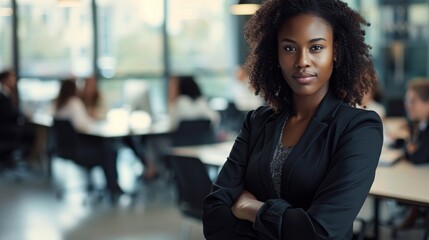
<point x="272" y="135"/>
<point x="317" y="125"/>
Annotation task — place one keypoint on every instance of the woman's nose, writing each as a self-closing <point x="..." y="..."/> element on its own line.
<point x="302" y="59"/>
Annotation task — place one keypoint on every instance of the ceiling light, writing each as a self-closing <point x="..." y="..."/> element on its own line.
<point x="245" y="7"/>
<point x="68" y="3"/>
<point x="6" y="11"/>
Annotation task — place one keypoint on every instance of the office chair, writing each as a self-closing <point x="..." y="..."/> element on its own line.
<point x="193" y="184"/>
<point x="12" y="162"/>
<point x="65" y="145"/>
<point x="188" y="133"/>
<point x="360" y="227"/>
<point x="194" y="132"/>
<point x="232" y="118"/>
<point x="9" y="158"/>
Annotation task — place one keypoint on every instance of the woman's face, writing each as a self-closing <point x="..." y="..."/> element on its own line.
<point x="90" y="85"/>
<point x="306" y="54"/>
<point x="417" y="109"/>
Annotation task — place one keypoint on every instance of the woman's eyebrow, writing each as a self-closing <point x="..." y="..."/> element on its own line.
<point x="310" y="41"/>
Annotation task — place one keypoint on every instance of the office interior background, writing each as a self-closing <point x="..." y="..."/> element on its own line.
<point x="135" y="45"/>
<point x="128" y="42"/>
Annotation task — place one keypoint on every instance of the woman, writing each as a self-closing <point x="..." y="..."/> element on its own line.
<point x="372" y="100"/>
<point x="302" y="167"/>
<point x="186" y="101"/>
<point x="92" y="152"/>
<point x="91" y="97"/>
<point x="96" y="108"/>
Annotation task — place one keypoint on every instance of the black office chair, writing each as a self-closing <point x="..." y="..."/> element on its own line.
<point x="12" y="160"/>
<point x="65" y="144"/>
<point x="360" y="227"/>
<point x="194" y="132"/>
<point x="188" y="133"/>
<point x="193" y="184"/>
<point x="232" y="118"/>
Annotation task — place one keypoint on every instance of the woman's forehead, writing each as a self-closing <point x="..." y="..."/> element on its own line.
<point x="305" y="25"/>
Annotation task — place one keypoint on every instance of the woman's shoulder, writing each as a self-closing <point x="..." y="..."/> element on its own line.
<point x="75" y="101"/>
<point x="349" y="114"/>
<point x="262" y="113"/>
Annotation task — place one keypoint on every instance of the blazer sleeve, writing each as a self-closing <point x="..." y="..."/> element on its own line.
<point x="340" y="195"/>
<point x="218" y="220"/>
<point x="421" y="155"/>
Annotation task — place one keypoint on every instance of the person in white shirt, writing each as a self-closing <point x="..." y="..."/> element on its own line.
<point x="186" y="102"/>
<point x="68" y="106"/>
<point x="372" y="100"/>
<point x="245" y="98"/>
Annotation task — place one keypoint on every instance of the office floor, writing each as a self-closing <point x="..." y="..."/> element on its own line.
<point x="29" y="209"/>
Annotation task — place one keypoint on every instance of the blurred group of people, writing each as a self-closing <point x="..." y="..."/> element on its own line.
<point x="84" y="108"/>
<point x="186" y="101"/>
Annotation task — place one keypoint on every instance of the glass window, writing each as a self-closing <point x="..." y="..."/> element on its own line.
<point x="138" y="94"/>
<point x="130" y="37"/>
<point x="202" y="42"/>
<point x="55" y="39"/>
<point x="5" y="34"/>
<point x="199" y="36"/>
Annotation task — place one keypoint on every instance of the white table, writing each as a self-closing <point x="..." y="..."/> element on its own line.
<point x="106" y="130"/>
<point x="210" y="154"/>
<point x="112" y="128"/>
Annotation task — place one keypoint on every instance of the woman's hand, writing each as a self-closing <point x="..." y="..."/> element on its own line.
<point x="411" y="147"/>
<point x="246" y="206"/>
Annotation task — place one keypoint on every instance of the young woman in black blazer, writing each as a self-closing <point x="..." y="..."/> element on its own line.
<point x="302" y="167"/>
<point x="417" y="108"/>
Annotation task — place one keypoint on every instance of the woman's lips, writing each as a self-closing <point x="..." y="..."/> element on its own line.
<point x="304" y="78"/>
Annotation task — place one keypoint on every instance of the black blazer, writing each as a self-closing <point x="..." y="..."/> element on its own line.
<point x="9" y="116"/>
<point x="421" y="155"/>
<point x="325" y="179"/>
<point x="8" y="113"/>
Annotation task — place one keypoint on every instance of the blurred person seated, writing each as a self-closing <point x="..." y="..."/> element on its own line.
<point x="417" y="109"/>
<point x="417" y="146"/>
<point x="96" y="108"/>
<point x="15" y="132"/>
<point x="245" y="98"/>
<point x="372" y="100"/>
<point x="186" y="102"/>
<point x="68" y="106"/>
<point x="92" y="98"/>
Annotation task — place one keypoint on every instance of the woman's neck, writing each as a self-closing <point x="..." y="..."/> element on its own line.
<point x="304" y="107"/>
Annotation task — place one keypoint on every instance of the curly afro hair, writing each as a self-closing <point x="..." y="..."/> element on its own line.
<point x="353" y="73"/>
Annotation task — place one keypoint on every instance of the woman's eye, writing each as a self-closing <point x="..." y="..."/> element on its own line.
<point x="289" y="48"/>
<point x="316" y="48"/>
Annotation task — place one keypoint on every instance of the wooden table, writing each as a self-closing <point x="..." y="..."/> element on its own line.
<point x="403" y="182"/>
